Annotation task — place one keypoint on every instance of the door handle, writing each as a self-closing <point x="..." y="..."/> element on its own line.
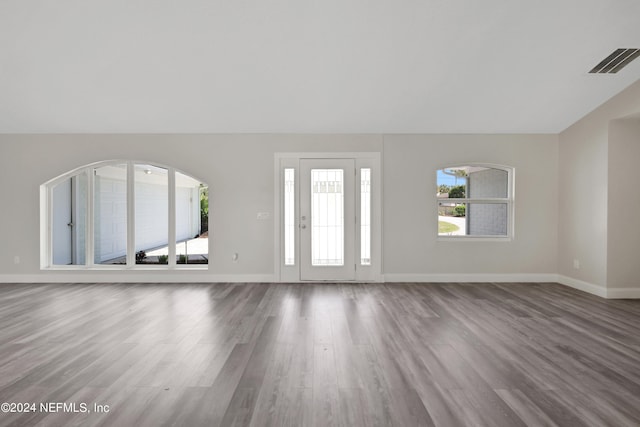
<point x="70" y="224"/>
<point x="303" y="226"/>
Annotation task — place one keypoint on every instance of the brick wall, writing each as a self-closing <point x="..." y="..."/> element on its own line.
<point x="487" y="219"/>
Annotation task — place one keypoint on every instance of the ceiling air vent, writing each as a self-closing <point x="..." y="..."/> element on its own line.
<point x="616" y="61"/>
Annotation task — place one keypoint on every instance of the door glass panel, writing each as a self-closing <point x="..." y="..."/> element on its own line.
<point x="327" y="217"/>
<point x="289" y="217"/>
<point x="110" y="214"/>
<point x="365" y="216"/>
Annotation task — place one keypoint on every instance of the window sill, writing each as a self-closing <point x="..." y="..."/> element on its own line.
<point x="504" y="239"/>
<point x="194" y="267"/>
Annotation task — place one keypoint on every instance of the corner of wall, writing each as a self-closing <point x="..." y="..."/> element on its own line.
<point x="581" y="285"/>
<point x="583" y="202"/>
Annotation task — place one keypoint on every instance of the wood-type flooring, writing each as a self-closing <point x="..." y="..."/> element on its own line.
<point x="242" y="354"/>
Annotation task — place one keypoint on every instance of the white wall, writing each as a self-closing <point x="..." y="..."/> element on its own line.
<point x="582" y="228"/>
<point x="239" y="170"/>
<point x="584" y="186"/>
<point x="411" y="246"/>
<point x="623" y="246"/>
<point x="577" y="170"/>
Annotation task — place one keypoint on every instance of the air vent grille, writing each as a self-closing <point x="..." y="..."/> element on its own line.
<point x="616" y="61"/>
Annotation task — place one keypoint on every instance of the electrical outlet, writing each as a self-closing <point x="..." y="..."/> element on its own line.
<point x="235" y="257"/>
<point x="576" y="264"/>
<point x="262" y="216"/>
<point x="16" y="259"/>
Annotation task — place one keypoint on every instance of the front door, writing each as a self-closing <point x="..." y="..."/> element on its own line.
<point x="327" y="219"/>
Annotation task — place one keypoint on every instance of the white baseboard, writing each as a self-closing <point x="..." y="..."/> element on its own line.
<point x="469" y="278"/>
<point x="601" y="291"/>
<point x="204" y="277"/>
<point x="581" y="285"/>
<point x="142" y="277"/>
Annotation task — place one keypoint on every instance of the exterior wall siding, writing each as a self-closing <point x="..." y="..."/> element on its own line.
<point x="485" y="219"/>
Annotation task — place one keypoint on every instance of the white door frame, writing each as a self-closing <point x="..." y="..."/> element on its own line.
<point x="371" y="160"/>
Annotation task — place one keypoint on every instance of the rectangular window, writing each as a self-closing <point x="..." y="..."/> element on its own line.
<point x="474" y="200"/>
<point x="289" y="217"/>
<point x="192" y="221"/>
<point x="151" y="214"/>
<point x="80" y="203"/>
<point x="110" y="214"/>
<point x="69" y="221"/>
<point x="365" y="216"/>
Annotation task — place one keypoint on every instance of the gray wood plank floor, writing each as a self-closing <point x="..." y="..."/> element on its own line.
<point x="319" y="355"/>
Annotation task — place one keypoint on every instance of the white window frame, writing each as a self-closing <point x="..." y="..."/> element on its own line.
<point x="509" y="200"/>
<point x="46" y="220"/>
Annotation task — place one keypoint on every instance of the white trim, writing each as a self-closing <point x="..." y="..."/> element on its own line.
<point x="90" y="254"/>
<point x="171" y="180"/>
<point x="509" y="201"/>
<point x="329" y="155"/>
<point x="146" y="276"/>
<point x="581" y="285"/>
<point x="470" y="277"/>
<point x="601" y="291"/>
<point x="131" y="216"/>
<point x="202" y="276"/>
<point x="471" y="238"/>
<point x="45" y="245"/>
<point x="370" y="159"/>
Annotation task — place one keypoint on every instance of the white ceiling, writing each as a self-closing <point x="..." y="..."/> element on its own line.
<point x="378" y="66"/>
